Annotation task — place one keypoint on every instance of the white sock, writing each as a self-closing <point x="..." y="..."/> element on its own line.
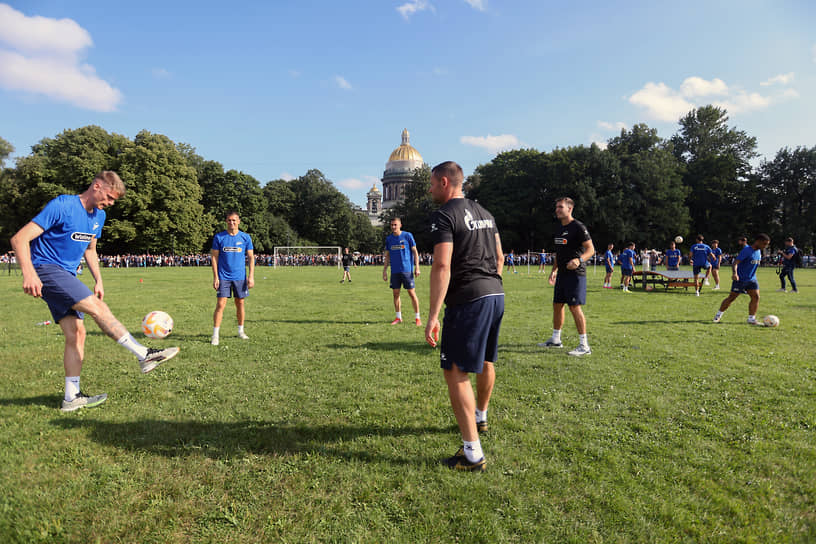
<point x="399" y="315"/>
<point x="240" y="329"/>
<point x="556" y="337"/>
<point x="71" y="387"/>
<point x="133" y="346"/>
<point x="752" y="318"/>
<point x="582" y="339"/>
<point x="718" y="315"/>
<point x="416" y="315"/>
<point x="473" y="450"/>
<point x="481" y="415"/>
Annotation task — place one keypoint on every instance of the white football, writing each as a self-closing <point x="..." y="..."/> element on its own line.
<point x="157" y="324"/>
<point x="679" y="239"/>
<point x="770" y="321"/>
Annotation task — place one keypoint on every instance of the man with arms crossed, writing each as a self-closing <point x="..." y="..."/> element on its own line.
<point x="401" y="253"/>
<point x="744" y="278"/>
<point x="466" y="275"/>
<point x="231" y="249"/>
<point x="573" y="246"/>
<point x="49" y="249"/>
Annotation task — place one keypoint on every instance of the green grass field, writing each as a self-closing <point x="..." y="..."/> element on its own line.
<point x="328" y="425"/>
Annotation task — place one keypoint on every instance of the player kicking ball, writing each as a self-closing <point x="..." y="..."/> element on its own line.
<point x="49" y="249"/>
<point x="744" y="278"/>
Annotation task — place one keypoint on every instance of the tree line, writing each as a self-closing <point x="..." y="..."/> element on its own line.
<point x="639" y="188"/>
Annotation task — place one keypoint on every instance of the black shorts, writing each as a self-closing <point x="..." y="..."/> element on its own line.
<point x="570" y="289"/>
<point x="470" y="334"/>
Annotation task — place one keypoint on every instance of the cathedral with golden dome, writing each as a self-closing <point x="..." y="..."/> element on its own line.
<point x="399" y="171"/>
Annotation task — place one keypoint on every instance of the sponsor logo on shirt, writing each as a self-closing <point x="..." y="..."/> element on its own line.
<point x="399" y="247"/>
<point x="232" y="249"/>
<point x="474" y="224"/>
<point x="96" y="226"/>
<point x="560" y="241"/>
<point x="82" y="236"/>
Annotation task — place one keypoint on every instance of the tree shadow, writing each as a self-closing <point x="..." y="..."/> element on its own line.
<point x="219" y="440"/>
<point x="40" y="400"/>
<point x="418" y="347"/>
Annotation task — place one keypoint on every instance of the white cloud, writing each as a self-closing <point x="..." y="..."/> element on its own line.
<point x="294" y="74"/>
<point x="480" y="5"/>
<point x="744" y="102"/>
<point x="617" y="127"/>
<point x="352" y="183"/>
<point x="782" y="79"/>
<point x="598" y="140"/>
<point x="414" y="6"/>
<point x="697" y="86"/>
<point x="160" y="73"/>
<point x="286" y="176"/>
<point x="494" y="144"/>
<point x="790" y="93"/>
<point x="342" y="83"/>
<point x="42" y="56"/>
<point x="661" y="102"/>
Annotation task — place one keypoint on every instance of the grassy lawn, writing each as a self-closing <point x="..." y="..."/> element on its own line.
<point x="328" y="424"/>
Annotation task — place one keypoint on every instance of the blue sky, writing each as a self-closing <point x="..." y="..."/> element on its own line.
<point x="278" y="87"/>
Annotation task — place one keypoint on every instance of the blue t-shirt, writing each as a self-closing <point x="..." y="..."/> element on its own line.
<point x="609" y="259"/>
<point x="715" y="256"/>
<point x="399" y="251"/>
<point x="699" y="254"/>
<point x="749" y="259"/>
<point x="627" y="259"/>
<point x="673" y="258"/>
<point x="69" y="228"/>
<point x="790" y="263"/>
<point x="232" y="254"/>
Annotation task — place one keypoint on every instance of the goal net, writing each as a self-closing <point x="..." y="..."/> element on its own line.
<point x="306" y="256"/>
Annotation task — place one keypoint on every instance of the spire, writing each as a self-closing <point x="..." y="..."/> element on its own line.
<point x="405" y="136"/>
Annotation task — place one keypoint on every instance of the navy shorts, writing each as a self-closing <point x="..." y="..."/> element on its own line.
<point x="609" y="269"/>
<point x="346" y="269"/>
<point x="698" y="269"/>
<point x="470" y="334"/>
<point x="402" y="279"/>
<point x="743" y="287"/>
<point x="61" y="290"/>
<point x="627" y="271"/>
<point x="570" y="289"/>
<point x="228" y="288"/>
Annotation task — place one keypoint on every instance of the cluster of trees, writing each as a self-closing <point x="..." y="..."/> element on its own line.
<point x="644" y="189"/>
<point x="175" y="198"/>
<point x="640" y="188"/>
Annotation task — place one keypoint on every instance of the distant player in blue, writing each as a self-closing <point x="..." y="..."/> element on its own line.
<point x="511" y="260"/>
<point x="232" y="249"/>
<point x="402" y="255"/>
<point x="609" y="265"/>
<point x="744" y="278"/>
<point x="716" y="260"/>
<point x="698" y="255"/>
<point x="49" y="249"/>
<point x="789" y="258"/>
<point x="673" y="257"/>
<point x="627" y="259"/>
<point x="542" y="261"/>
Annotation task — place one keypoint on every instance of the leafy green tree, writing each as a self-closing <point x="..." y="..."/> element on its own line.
<point x="6" y="149"/>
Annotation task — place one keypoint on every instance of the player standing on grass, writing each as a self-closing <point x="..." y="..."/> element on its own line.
<point x="402" y="255"/>
<point x="466" y="275"/>
<point x="716" y="260"/>
<point x="348" y="261"/>
<point x="627" y="258"/>
<point x="672" y="257"/>
<point x="573" y="246"/>
<point x="698" y="255"/>
<point x="609" y="264"/>
<point x="49" y="249"/>
<point x="231" y="250"/>
<point x="789" y="258"/>
<point x="744" y="278"/>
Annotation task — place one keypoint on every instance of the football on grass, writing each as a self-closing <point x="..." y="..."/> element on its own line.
<point x="771" y="321"/>
<point x="157" y="324"/>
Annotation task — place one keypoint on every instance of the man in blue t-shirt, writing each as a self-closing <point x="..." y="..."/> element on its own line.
<point x="627" y="258"/>
<point x="744" y="278"/>
<point x="789" y="258"/>
<point x="231" y="251"/>
<point x="542" y="261"/>
<point x="672" y="257"/>
<point x="609" y="265"/>
<point x="402" y="255"/>
<point x="698" y="255"/>
<point x="49" y="249"/>
<point x="716" y="260"/>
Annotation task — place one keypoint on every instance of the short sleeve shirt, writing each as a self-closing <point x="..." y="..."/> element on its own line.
<point x="232" y="254"/>
<point x="569" y="240"/>
<point x="672" y="257"/>
<point x="472" y="230"/>
<point x="399" y="252"/>
<point x="68" y="229"/>
<point x="749" y="259"/>
<point x="699" y="254"/>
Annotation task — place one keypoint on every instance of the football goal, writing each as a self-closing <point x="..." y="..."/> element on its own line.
<point x="306" y="256"/>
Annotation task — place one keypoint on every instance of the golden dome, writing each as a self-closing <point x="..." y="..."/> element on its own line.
<point x="405" y="152"/>
<point x="374" y="189"/>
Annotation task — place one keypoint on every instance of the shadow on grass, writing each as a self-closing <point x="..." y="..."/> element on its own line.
<point x="316" y="321"/>
<point x="667" y="321"/>
<point x="419" y="346"/>
<point x="220" y="440"/>
<point x="41" y="400"/>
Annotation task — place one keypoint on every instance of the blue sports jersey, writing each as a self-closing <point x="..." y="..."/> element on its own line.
<point x="790" y="263"/>
<point x="715" y="256"/>
<point x="609" y="259"/>
<point x="627" y="258"/>
<point x="69" y="228"/>
<point x="399" y="251"/>
<point x="749" y="259"/>
<point x="673" y="257"/>
<point x="232" y="254"/>
<point x="699" y="254"/>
